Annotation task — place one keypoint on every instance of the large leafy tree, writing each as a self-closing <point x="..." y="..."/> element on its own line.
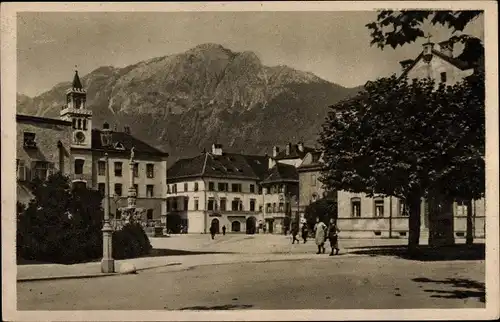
<point x="397" y="28"/>
<point x="408" y="139"/>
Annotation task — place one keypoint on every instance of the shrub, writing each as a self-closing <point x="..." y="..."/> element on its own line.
<point x="131" y="241"/>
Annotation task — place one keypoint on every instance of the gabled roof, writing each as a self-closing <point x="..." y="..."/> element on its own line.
<point x="227" y="165"/>
<point x="295" y="153"/>
<point x="126" y="140"/>
<point x="315" y="163"/>
<point x="453" y="61"/>
<point x="76" y="81"/>
<point x="282" y="172"/>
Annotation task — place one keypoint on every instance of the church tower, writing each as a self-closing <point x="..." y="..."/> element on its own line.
<point x="76" y="112"/>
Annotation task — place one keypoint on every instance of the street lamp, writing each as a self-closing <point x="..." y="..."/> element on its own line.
<point x="107" y="263"/>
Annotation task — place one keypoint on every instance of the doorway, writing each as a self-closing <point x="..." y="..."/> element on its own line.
<point x="235" y="226"/>
<point x="251" y="225"/>
<point x="215" y="224"/>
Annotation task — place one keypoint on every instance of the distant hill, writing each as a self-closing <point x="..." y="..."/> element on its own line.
<point x="183" y="103"/>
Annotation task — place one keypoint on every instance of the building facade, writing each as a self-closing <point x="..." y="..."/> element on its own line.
<point x="244" y="193"/>
<point x="71" y="145"/>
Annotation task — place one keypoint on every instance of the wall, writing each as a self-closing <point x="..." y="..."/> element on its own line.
<point x="46" y="137"/>
<point x="307" y="188"/>
<point x="435" y="67"/>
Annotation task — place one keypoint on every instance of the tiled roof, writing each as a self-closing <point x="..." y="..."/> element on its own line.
<point x="126" y="140"/>
<point x="281" y="172"/>
<point x="38" y="119"/>
<point x="227" y="165"/>
<point x="295" y="153"/>
<point x="314" y="165"/>
<point x="453" y="61"/>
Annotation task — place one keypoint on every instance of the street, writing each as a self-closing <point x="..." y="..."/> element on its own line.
<point x="322" y="282"/>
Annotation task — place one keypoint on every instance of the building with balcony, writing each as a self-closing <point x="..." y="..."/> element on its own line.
<point x="72" y="146"/>
<point x="244" y="193"/>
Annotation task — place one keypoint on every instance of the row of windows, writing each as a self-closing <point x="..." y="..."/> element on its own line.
<point x="221" y="186"/>
<point x="277" y="207"/>
<point x="80" y="124"/>
<point x="378" y="205"/>
<point x="118" y="189"/>
<point x="38" y="169"/>
<point x="212" y="205"/>
<point x="118" y="169"/>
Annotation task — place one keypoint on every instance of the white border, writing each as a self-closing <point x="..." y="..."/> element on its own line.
<point x="8" y="144"/>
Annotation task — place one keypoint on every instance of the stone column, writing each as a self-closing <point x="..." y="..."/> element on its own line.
<point x="107" y="263"/>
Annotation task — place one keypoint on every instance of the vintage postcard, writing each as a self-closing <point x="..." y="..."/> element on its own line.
<point x="266" y="161"/>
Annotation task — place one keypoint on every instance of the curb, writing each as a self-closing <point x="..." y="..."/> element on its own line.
<point x="66" y="277"/>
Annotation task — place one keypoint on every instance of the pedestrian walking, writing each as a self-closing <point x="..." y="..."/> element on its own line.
<point x="224" y="230"/>
<point x="305" y="232"/>
<point x="333" y="236"/>
<point x="212" y="231"/>
<point x="320" y="235"/>
<point x="295" y="232"/>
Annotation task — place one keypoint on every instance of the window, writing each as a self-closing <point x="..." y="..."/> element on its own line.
<point x="174" y="204"/>
<point x="174" y="188"/>
<point x="379" y="207"/>
<point x="102" y="188"/>
<point x="211" y="186"/>
<point x="150" y="170"/>
<point x="118" y="169"/>
<point x="461" y="208"/>
<point x="236" y="205"/>
<point x="118" y="189"/>
<point x="136" y="188"/>
<point x="196" y="186"/>
<point x="274" y="206"/>
<point x="260" y="208"/>
<point x="281" y="188"/>
<point x="281" y="207"/>
<point x="168" y="188"/>
<point x="79" y="166"/>
<point x="136" y="170"/>
<point x="252" y="188"/>
<point x="85" y="124"/>
<point x="101" y="168"/>
<point x="21" y="170"/>
<point x="403" y="210"/>
<point x="196" y="204"/>
<point x="149" y="191"/>
<point x="186" y="204"/>
<point x="236" y="187"/>
<point x="268" y="207"/>
<point x="29" y="140"/>
<point x="79" y="124"/>
<point x="252" y="204"/>
<point x="356" y="207"/>
<point x="211" y="204"/>
<point x="222" y="186"/>
<point x="149" y="214"/>
<point x="443" y="77"/>
<point x="313" y="180"/>
<point x="74" y="123"/>
<point x="185" y="186"/>
<point x="223" y="203"/>
<point x="260" y="190"/>
<point x="42" y="170"/>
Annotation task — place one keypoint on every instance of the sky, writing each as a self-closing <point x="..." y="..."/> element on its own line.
<point x="333" y="45"/>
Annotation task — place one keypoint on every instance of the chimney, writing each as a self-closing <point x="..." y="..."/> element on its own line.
<point x="300" y="146"/>
<point x="288" y="148"/>
<point x="126" y="129"/>
<point x="446" y="48"/>
<point x="276" y="151"/>
<point x="217" y="149"/>
<point x="406" y="63"/>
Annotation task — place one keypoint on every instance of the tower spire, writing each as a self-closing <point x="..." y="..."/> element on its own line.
<point x="76" y="80"/>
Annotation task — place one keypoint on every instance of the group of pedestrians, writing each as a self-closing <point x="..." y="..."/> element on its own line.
<point x="322" y="232"/>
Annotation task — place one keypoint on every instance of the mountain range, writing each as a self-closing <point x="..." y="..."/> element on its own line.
<point x="183" y="103"/>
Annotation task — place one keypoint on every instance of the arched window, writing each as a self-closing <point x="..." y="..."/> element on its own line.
<point x="74" y="123"/>
<point x="85" y="124"/>
<point x="79" y="123"/>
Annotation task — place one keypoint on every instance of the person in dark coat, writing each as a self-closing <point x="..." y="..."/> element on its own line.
<point x="295" y="232"/>
<point x="224" y="230"/>
<point x="333" y="236"/>
<point x="305" y="232"/>
<point x="212" y="231"/>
